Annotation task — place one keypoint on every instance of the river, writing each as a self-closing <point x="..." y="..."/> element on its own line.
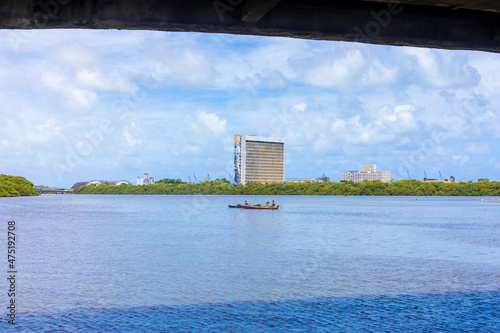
<point x="189" y="264"/>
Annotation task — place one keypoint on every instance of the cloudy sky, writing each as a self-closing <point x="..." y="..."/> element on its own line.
<point x="79" y="105"/>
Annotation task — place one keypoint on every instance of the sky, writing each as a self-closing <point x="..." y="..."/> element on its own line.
<point x="112" y="105"/>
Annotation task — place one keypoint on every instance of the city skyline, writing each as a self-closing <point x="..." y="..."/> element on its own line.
<point x="84" y="104"/>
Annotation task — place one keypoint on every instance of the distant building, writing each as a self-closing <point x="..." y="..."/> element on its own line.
<point x="452" y="180"/>
<point x="369" y="173"/>
<point x="85" y="183"/>
<point x="301" y="180"/>
<point x="480" y="180"/>
<point x="144" y="180"/>
<point x="370" y="168"/>
<point x="117" y="182"/>
<point x="99" y="182"/>
<point x="258" y="159"/>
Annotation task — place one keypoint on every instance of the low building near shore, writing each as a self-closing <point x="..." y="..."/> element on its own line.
<point x="99" y="182"/>
<point x="369" y="173"/>
<point x="117" y="182"/>
<point x="86" y="183"/>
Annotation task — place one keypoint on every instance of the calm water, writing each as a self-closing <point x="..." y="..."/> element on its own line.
<point x="189" y="263"/>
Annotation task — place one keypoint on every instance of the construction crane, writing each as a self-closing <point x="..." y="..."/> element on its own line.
<point x="408" y="172"/>
<point x="440" y="176"/>
<point x="195" y="179"/>
<point x="425" y="175"/>
<point x="190" y="180"/>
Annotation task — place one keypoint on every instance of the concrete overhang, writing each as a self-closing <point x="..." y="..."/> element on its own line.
<point x="447" y="24"/>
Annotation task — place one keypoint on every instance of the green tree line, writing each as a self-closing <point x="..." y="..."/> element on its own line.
<point x="15" y="186"/>
<point x="401" y="187"/>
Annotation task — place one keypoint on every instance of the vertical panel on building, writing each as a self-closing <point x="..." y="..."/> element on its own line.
<point x="237" y="159"/>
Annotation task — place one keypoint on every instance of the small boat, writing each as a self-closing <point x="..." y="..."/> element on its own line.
<point x="260" y="207"/>
<point x="239" y="205"/>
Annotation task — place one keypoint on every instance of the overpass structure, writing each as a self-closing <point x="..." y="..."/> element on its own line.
<point x="53" y="191"/>
<point x="447" y="24"/>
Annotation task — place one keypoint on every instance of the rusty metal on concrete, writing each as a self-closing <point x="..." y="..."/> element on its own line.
<point x="449" y="24"/>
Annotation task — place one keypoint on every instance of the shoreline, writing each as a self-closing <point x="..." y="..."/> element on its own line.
<point x="298" y="194"/>
<point x="490" y="190"/>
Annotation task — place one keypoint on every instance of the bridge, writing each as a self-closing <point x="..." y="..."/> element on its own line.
<point x="53" y="191"/>
<point x="447" y="24"/>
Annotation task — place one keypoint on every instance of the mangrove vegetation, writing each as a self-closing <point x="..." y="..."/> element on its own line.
<point x="222" y="186"/>
<point x="15" y="186"/>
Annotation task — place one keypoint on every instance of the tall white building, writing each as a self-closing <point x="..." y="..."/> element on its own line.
<point x="144" y="180"/>
<point x="258" y="159"/>
<point x="369" y="173"/>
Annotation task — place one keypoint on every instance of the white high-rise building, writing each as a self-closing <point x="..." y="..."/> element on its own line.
<point x="144" y="180"/>
<point x="258" y="159"/>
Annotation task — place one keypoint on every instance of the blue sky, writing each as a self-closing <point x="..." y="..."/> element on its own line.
<point x="80" y="104"/>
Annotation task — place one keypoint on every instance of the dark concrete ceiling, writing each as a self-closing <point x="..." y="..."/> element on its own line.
<point x="449" y="24"/>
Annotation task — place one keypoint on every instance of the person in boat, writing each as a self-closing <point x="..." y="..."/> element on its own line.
<point x="267" y="203"/>
<point x="273" y="204"/>
<point x="246" y="203"/>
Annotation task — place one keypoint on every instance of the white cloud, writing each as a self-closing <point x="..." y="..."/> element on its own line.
<point x="212" y="122"/>
<point x="81" y="97"/>
<point x="378" y="74"/>
<point x="323" y="143"/>
<point x="339" y="124"/>
<point x="474" y="148"/>
<point x="398" y="119"/>
<point x="461" y="159"/>
<point x="264" y="65"/>
<point x="47" y="132"/>
<point x="494" y="163"/>
<point x="191" y="66"/>
<point x="347" y="68"/>
<point x="95" y="79"/>
<point x="191" y="150"/>
<point x="485" y="124"/>
<point x="487" y="117"/>
<point x="73" y="95"/>
<point x="194" y="67"/>
<point x="488" y="66"/>
<point x="74" y="54"/>
<point x="131" y="136"/>
<point x="49" y="124"/>
<point x="404" y="107"/>
<point x="434" y="68"/>
<point x="301" y="107"/>
<point x="338" y="73"/>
